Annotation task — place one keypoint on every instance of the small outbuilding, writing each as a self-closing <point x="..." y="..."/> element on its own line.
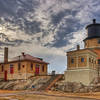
<point x="23" y="66"/>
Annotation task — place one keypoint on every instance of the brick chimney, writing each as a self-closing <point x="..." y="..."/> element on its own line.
<point x="5" y="54"/>
<point x="23" y="53"/>
<point x="78" y="47"/>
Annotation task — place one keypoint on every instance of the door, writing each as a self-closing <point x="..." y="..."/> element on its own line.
<point x="37" y="70"/>
<point x="5" y="75"/>
<point x="11" y="70"/>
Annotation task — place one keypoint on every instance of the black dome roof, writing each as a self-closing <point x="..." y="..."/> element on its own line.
<point x="93" y="30"/>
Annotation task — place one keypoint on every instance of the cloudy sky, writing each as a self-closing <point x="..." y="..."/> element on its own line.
<point x="45" y="28"/>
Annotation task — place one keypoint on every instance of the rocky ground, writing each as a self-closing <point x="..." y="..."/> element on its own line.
<point x="30" y="84"/>
<point x="35" y="83"/>
<point x="75" y="87"/>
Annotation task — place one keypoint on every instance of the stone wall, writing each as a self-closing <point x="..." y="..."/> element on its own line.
<point x="84" y="76"/>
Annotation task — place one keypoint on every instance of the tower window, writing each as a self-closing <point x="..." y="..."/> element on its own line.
<point x="99" y="41"/>
<point x="98" y="61"/>
<point x="72" y="61"/>
<point x="82" y="59"/>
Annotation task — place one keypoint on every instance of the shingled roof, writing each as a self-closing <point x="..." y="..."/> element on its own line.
<point x="27" y="57"/>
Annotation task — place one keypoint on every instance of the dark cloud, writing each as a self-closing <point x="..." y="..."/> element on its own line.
<point x="56" y="18"/>
<point x="7" y="7"/>
<point x="32" y="27"/>
<point x="19" y="9"/>
<point x="62" y="38"/>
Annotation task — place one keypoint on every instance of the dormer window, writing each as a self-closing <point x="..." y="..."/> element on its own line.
<point x="98" y="61"/>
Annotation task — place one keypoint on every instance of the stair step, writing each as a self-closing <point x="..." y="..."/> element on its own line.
<point x="50" y="82"/>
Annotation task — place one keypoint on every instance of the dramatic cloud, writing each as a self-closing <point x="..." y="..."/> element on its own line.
<point x="45" y="28"/>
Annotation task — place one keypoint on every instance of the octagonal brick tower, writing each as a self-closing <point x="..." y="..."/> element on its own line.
<point x="93" y="38"/>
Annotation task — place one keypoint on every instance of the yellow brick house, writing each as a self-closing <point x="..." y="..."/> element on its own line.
<point x="22" y="67"/>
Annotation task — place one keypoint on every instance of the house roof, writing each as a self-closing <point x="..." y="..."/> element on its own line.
<point x="27" y="57"/>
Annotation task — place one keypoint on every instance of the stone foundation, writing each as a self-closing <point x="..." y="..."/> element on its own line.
<point x="85" y="76"/>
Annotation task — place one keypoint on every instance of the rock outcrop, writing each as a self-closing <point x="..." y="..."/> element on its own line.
<point x="30" y="84"/>
<point x="75" y="87"/>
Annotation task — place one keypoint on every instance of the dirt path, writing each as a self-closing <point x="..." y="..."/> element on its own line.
<point x="39" y="96"/>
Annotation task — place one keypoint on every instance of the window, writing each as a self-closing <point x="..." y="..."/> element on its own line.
<point x="31" y="66"/>
<point x="82" y="59"/>
<point x="72" y="61"/>
<point x="92" y="60"/>
<point x="2" y="68"/>
<point x="43" y="68"/>
<point x="85" y="43"/>
<point x="37" y="69"/>
<point x="19" y="66"/>
<point x="23" y="66"/>
<point x="11" y="69"/>
<point x="98" y="61"/>
<point x="99" y="41"/>
<point x="89" y="59"/>
<point x="95" y="61"/>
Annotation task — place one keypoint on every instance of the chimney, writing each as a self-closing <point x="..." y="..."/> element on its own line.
<point x="94" y="21"/>
<point x="78" y="47"/>
<point x="23" y="53"/>
<point x="5" y="54"/>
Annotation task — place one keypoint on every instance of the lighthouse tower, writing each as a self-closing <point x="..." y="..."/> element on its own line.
<point x="82" y="64"/>
<point x="93" y="39"/>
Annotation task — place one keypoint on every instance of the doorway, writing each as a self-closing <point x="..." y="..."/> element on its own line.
<point x="5" y="75"/>
<point x="37" y="70"/>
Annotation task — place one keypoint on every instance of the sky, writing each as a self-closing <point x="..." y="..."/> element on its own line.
<point x="45" y="28"/>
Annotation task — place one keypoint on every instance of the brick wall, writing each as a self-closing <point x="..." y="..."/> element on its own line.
<point x="92" y="43"/>
<point x="25" y="71"/>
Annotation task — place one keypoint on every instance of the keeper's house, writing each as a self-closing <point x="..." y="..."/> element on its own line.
<point x="22" y="67"/>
